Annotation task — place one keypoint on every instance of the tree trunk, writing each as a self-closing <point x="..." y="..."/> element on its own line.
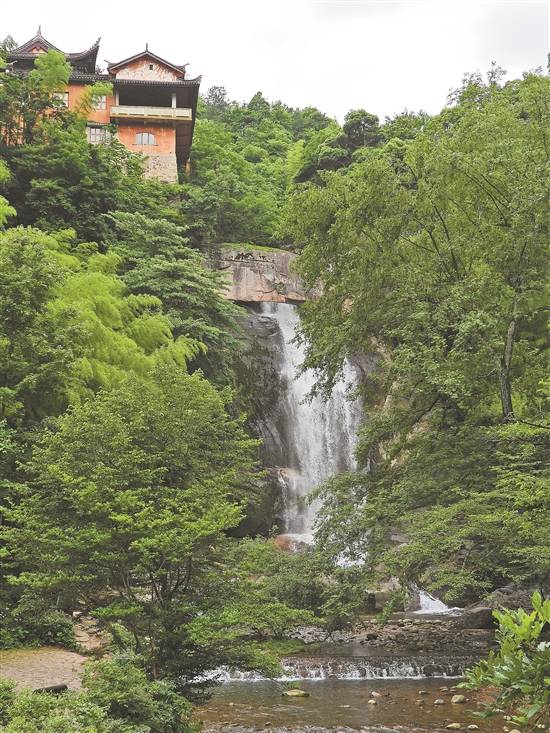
<point x="504" y="372"/>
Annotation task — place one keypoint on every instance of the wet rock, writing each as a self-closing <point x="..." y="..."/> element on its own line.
<point x="422" y="692"/>
<point x="476" y="617"/>
<point x="295" y="693"/>
<point x="54" y="689"/>
<point x="439" y="701"/>
<point x="372" y="702"/>
<point x="453" y="726"/>
<point x="514" y="596"/>
<point x="374" y="693"/>
<point x="472" y="726"/>
<point x="456" y="699"/>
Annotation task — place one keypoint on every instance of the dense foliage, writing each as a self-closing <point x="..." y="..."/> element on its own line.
<point x="520" y="669"/>
<point x="124" y="461"/>
<point x="125" y="467"/>
<point x="432" y="253"/>
<point x="117" y="698"/>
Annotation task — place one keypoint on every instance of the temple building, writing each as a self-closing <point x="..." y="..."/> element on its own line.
<point x="153" y="104"/>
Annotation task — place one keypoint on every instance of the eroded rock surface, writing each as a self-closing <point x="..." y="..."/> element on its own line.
<point x="259" y="276"/>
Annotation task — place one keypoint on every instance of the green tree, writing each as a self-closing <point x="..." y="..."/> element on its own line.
<point x="6" y="211"/>
<point x="433" y="254"/>
<point x="117" y="698"/>
<point x="126" y="512"/>
<point x="362" y="129"/>
<point x="156" y="260"/>
<point x="24" y="101"/>
<point x="68" y="327"/>
<point x="59" y="180"/>
<point x="38" y="346"/>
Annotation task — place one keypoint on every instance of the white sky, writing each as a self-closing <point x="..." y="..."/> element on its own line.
<point x="383" y="55"/>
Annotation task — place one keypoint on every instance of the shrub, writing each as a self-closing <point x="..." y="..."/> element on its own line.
<point x="520" y="669"/>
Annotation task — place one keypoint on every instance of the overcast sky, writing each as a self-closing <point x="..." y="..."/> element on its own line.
<point x="383" y="55"/>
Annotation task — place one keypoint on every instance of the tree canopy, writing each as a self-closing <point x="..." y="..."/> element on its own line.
<point x="432" y="253"/>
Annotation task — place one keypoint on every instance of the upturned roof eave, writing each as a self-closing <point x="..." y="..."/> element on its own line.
<point x="24" y="51"/>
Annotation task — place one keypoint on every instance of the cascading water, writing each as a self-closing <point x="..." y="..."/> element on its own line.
<point x="431" y="606"/>
<point x="320" y="434"/>
<point x="317" y="668"/>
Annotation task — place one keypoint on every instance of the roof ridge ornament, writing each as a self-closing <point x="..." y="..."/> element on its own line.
<point x="39" y="32"/>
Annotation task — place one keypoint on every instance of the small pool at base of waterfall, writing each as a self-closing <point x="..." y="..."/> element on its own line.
<point x="334" y="702"/>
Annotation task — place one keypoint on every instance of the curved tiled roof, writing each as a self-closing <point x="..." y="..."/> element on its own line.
<point x="144" y="82"/>
<point x="24" y="52"/>
<point x="37" y="40"/>
<point x="78" y="76"/>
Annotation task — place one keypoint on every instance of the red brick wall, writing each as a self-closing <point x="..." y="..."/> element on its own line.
<point x="99" y="115"/>
<point x="165" y="138"/>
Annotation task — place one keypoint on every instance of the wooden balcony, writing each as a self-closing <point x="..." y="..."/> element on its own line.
<point x="126" y="112"/>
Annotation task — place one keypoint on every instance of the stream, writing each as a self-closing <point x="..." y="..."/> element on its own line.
<point x="309" y="440"/>
<point x="336" y="702"/>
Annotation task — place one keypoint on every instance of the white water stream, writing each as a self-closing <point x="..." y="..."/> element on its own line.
<point x="322" y="433"/>
<point x="431" y="606"/>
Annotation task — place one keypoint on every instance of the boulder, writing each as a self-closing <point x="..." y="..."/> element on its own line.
<point x="456" y="699"/>
<point x="453" y="726"/>
<point x="295" y="693"/>
<point x="477" y="617"/>
<point x="513" y="596"/>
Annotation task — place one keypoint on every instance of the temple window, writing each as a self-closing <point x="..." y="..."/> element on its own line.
<point x="145" y="138"/>
<point x="100" y="102"/>
<point x="96" y="134"/>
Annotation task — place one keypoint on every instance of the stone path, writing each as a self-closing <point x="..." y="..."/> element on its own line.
<point x="36" y="668"/>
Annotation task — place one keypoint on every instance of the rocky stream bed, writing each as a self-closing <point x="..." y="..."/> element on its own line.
<point x="398" y="677"/>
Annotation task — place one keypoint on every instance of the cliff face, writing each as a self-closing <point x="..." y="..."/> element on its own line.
<point x="259" y="276"/>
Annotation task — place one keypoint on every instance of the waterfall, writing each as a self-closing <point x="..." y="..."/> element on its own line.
<point x="319" y="434"/>
<point x="396" y="668"/>
<point x="429" y="605"/>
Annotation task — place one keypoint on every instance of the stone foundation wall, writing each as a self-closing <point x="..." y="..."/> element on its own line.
<point x="163" y="167"/>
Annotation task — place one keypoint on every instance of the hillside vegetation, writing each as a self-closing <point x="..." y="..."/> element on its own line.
<point x="125" y="461"/>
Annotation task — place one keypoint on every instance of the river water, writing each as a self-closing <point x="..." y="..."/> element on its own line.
<point x="334" y="702"/>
